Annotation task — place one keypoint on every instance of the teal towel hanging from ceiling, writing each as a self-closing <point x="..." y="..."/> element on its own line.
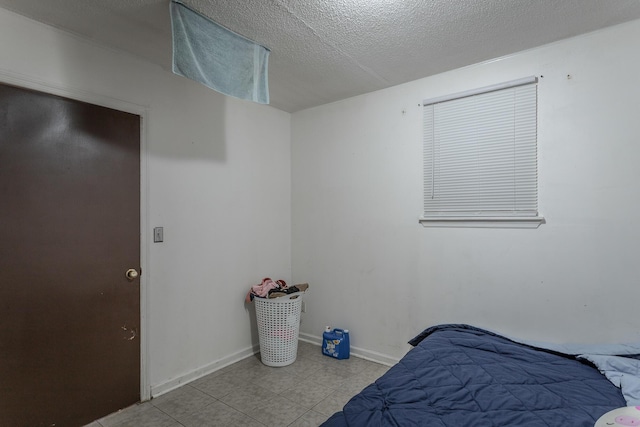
<point x="218" y="58"/>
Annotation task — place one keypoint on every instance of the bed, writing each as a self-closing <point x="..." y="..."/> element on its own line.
<point x="460" y="375"/>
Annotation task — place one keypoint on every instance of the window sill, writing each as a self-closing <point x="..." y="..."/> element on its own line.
<point x="482" y="222"/>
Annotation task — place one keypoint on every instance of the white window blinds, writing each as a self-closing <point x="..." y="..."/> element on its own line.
<point x="480" y="154"/>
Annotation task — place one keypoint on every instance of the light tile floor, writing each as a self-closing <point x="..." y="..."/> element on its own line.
<point x="248" y="393"/>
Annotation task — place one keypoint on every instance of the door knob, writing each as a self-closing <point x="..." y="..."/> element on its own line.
<point x="131" y="274"/>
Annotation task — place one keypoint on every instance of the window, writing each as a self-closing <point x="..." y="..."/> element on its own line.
<point x="480" y="158"/>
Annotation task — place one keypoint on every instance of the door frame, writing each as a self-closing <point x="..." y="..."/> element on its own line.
<point x="27" y="82"/>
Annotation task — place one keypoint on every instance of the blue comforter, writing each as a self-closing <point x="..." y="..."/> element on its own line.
<point x="461" y="376"/>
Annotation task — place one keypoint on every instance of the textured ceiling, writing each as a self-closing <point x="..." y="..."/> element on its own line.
<point x="326" y="50"/>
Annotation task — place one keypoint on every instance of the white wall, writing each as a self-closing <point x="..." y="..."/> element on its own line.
<point x="357" y="196"/>
<point x="218" y="181"/>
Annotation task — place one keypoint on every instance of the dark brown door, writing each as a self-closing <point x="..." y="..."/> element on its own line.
<point x="69" y="230"/>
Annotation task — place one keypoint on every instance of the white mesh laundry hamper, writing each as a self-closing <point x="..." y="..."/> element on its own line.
<point x="278" y="328"/>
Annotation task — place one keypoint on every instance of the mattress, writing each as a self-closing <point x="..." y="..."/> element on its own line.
<point x="460" y="375"/>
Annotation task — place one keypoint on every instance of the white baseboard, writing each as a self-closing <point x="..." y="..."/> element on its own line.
<point x="311" y="339"/>
<point x="167" y="386"/>
<point x="172" y="384"/>
<point x="362" y="353"/>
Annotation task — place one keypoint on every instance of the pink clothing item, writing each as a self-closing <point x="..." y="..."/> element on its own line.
<point x="262" y="290"/>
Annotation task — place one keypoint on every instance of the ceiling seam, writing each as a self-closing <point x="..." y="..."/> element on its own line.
<point x="343" y="53"/>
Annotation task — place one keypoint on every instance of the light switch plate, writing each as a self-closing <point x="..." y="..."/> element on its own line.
<point x="158" y="234"/>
